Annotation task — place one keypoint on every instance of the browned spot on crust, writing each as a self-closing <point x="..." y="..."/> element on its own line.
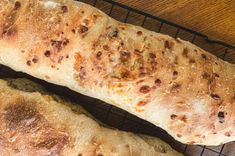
<point x="125" y="74"/>
<point x="185" y="52"/>
<point x="17" y="5"/>
<point x="8" y="28"/>
<point x="60" y="59"/>
<point x="95" y="17"/>
<point x="64" y="9"/>
<point x="142" y="71"/>
<point x="28" y="63"/>
<point x="175" y="75"/>
<point x="179" y="135"/>
<point x="216" y="75"/>
<point x="153" y="65"/>
<point x="86" y="21"/>
<point x="24" y="118"/>
<point x="153" y="61"/>
<point x="168" y="44"/>
<point x="124" y="56"/>
<point x="152" y="55"/>
<point x="123" y="28"/>
<point x="106" y="47"/>
<point x="113" y="33"/>
<point x="140" y="81"/>
<point x="98" y="55"/>
<point x="82" y="73"/>
<point x="175" y="87"/>
<point x="139" y="32"/>
<point x="145" y="89"/>
<point x="142" y="103"/>
<point x="173" y="116"/>
<point x="183" y="118"/>
<point x="8" y="33"/>
<point x="221" y="117"/>
<point x="127" y="146"/>
<point x="21" y="116"/>
<point x="78" y="61"/>
<point x="73" y="31"/>
<point x="192" y="61"/>
<point x="47" y="53"/>
<point x="56" y="44"/>
<point x="215" y="96"/>
<point x="50" y="142"/>
<point x="176" y="60"/>
<point x="35" y="59"/>
<point x="228" y="134"/>
<point x="158" y="82"/>
<point x="181" y="102"/>
<point x="65" y="41"/>
<point x="82" y="29"/>
<point x="204" y="56"/>
<point x="137" y="52"/>
<point x="206" y="76"/>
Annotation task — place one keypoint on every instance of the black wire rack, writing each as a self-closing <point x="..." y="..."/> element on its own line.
<point x="122" y="120"/>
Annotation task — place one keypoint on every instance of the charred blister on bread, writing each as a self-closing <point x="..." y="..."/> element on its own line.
<point x="19" y="114"/>
<point x="26" y="125"/>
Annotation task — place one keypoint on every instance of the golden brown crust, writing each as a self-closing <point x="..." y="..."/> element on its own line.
<point x="33" y="123"/>
<point x="24" y="129"/>
<point x="168" y="82"/>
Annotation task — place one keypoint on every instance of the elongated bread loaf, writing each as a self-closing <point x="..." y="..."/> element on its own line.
<point x="34" y="122"/>
<point x="168" y="82"/>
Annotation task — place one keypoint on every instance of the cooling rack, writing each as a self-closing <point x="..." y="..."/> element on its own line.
<point x="122" y="120"/>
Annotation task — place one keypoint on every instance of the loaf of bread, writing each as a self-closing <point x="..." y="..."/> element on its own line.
<point x="34" y="122"/>
<point x="168" y="82"/>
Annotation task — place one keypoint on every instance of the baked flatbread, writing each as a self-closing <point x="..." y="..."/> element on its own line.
<point x="34" y="122"/>
<point x="168" y="82"/>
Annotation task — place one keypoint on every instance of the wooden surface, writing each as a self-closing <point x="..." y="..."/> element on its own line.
<point x="215" y="18"/>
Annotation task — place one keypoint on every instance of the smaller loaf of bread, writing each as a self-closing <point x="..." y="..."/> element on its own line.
<point x="35" y="123"/>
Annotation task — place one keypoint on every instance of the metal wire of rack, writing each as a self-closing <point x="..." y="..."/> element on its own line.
<point x="120" y="119"/>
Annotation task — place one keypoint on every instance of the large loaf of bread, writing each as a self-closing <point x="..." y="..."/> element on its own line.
<point x="36" y="123"/>
<point x="168" y="82"/>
